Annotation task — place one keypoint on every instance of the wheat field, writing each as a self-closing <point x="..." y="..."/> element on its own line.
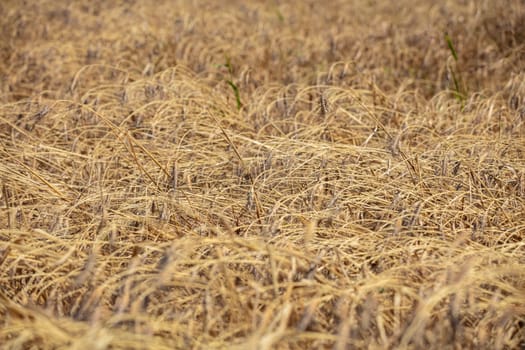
<point x="262" y="174"/>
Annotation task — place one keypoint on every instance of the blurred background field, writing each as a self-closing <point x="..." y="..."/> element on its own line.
<point x="262" y="174"/>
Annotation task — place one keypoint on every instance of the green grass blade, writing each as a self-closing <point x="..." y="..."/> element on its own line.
<point x="229" y="66"/>
<point x="236" y="92"/>
<point x="451" y="47"/>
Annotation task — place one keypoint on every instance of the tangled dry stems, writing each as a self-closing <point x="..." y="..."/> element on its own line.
<point x="353" y="201"/>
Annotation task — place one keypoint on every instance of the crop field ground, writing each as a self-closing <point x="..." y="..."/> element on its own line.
<point x="262" y="174"/>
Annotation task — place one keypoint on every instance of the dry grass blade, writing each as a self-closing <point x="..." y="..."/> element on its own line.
<point x="349" y="201"/>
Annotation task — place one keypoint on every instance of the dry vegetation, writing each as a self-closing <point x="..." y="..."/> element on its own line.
<point x="365" y="190"/>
